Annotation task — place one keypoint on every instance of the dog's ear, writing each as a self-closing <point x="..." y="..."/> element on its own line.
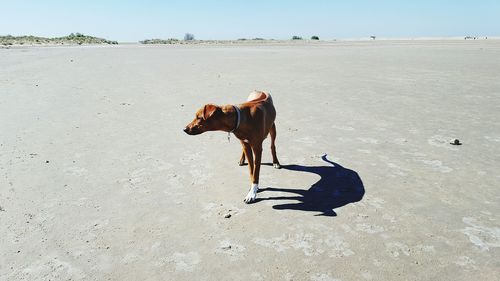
<point x="209" y="110"/>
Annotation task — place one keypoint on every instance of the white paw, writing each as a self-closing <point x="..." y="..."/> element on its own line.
<point x="276" y="166"/>
<point x="252" y="194"/>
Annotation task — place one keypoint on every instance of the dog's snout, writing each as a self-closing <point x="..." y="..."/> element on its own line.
<point x="186" y="130"/>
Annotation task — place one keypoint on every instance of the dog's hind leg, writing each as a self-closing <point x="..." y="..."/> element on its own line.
<point x="247" y="151"/>
<point x="272" y="132"/>
<point x="242" y="158"/>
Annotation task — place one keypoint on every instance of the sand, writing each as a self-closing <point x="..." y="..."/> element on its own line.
<point x="99" y="182"/>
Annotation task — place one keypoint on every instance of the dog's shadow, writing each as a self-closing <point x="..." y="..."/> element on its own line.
<point x="337" y="187"/>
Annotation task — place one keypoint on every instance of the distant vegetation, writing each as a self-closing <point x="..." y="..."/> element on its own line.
<point x="255" y="39"/>
<point x="314" y="37"/>
<point x="188" y="37"/>
<point x="296" y="37"/>
<point x="160" y="41"/>
<point x="73" y="38"/>
<point x="473" y="37"/>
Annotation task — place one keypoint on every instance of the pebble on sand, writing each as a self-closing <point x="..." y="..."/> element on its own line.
<point x="455" y="142"/>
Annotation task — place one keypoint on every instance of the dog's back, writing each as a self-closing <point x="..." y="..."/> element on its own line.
<point x="262" y="100"/>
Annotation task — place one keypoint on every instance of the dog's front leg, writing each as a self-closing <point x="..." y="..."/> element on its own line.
<point x="252" y="193"/>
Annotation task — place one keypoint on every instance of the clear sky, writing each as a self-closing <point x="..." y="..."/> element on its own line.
<point x="126" y="20"/>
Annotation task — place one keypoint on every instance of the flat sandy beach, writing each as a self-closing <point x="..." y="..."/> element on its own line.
<point x="99" y="182"/>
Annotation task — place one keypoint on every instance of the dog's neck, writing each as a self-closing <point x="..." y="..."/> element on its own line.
<point x="233" y="118"/>
<point x="238" y="119"/>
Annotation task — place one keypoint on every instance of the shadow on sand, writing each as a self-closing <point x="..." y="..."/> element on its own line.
<point x="337" y="187"/>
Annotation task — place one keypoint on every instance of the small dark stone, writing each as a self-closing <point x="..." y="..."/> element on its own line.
<point x="455" y="142"/>
<point x="228" y="215"/>
<point x="47" y="161"/>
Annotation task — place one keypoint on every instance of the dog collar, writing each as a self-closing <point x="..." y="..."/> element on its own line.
<point x="238" y="118"/>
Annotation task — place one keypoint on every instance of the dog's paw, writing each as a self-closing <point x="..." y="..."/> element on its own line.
<point x="250" y="198"/>
<point x="277" y="165"/>
<point x="241" y="163"/>
<point x="252" y="194"/>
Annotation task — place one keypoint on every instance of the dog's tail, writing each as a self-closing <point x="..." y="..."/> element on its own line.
<point x="259" y="96"/>
<point x="269" y="98"/>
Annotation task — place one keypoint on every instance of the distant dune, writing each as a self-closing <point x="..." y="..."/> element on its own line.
<point x="73" y="38"/>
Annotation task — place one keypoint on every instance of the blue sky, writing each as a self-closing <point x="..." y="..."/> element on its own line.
<point x="224" y="19"/>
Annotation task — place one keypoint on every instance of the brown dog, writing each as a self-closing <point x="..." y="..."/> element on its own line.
<point x="250" y="122"/>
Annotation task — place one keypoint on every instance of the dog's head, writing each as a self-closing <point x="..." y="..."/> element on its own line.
<point x="206" y="119"/>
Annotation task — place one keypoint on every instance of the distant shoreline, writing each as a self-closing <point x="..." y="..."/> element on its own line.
<point x="75" y="39"/>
